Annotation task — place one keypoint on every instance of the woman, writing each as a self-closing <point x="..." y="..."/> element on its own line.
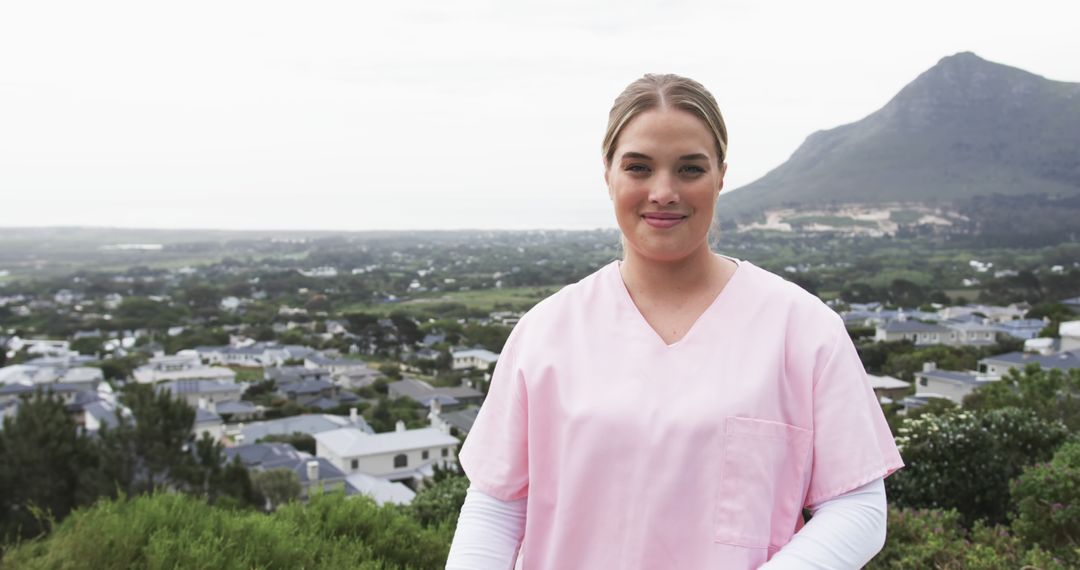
<point x="677" y="408"/>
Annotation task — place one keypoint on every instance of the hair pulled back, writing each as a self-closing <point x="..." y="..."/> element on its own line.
<point x="659" y="91"/>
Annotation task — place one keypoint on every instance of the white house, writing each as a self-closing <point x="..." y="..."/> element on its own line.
<point x="401" y="455"/>
<point x="477" y="358"/>
<point x="180" y="367"/>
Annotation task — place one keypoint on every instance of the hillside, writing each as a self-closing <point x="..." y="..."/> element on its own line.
<point x="963" y="129"/>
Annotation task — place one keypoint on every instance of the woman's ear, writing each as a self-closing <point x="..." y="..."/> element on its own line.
<point x="607" y="182"/>
<point x="720" y="183"/>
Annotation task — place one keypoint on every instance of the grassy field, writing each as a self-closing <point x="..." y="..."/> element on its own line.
<point x="510" y="298"/>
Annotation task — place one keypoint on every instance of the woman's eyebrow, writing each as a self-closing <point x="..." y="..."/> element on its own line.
<point x="696" y="156"/>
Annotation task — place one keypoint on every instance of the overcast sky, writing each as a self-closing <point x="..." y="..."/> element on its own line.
<point x="450" y="114"/>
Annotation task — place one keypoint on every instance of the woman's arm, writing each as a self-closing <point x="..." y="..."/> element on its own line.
<point x="488" y="534"/>
<point x="845" y="532"/>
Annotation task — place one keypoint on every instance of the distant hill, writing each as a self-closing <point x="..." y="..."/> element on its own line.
<point x="963" y="130"/>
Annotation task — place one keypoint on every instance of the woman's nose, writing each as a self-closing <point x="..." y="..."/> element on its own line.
<point x="663" y="190"/>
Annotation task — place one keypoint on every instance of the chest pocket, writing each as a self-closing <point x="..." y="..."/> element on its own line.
<point x="761" y="482"/>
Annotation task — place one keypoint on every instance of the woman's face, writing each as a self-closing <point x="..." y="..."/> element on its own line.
<point x="663" y="181"/>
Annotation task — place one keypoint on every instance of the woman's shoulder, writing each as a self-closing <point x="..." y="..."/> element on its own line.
<point x="780" y="293"/>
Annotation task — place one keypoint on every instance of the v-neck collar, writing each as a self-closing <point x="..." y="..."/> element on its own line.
<point x="624" y="294"/>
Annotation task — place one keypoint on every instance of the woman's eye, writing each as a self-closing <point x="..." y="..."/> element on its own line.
<point x="636" y="168"/>
<point x="695" y="169"/>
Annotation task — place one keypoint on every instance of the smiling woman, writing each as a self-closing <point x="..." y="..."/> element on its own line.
<point x="677" y="408"/>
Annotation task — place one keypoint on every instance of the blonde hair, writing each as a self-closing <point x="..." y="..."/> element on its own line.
<point x="667" y="90"/>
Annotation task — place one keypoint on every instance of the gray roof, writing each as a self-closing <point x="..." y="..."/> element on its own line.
<point x="1061" y="361"/>
<point x="203" y="416"/>
<point x="913" y="327"/>
<point x="200" y="387"/>
<point x="57" y="387"/>
<point x="380" y="490"/>
<point x="305" y="387"/>
<point x="104" y="414"/>
<point x="305" y="423"/>
<point x="461" y="419"/>
<point x="253" y="454"/>
<point x="236" y="407"/>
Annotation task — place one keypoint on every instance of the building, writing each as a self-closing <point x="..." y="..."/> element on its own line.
<point x="886" y="388"/>
<point x="308" y="424"/>
<point x="994" y="367"/>
<point x="402" y="455"/>
<point x="180" y="367"/>
<point x="203" y="393"/>
<point x="423" y="393"/>
<point x="947" y="384"/>
<point x="476" y="358"/>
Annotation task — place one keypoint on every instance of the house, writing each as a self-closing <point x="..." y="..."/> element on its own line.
<point x="237" y="410"/>
<point x="379" y="490"/>
<point x="476" y="358"/>
<point x="1023" y="328"/>
<point x="970" y="332"/>
<point x="309" y="424"/>
<point x="918" y="332"/>
<point x="335" y="365"/>
<point x="948" y="384"/>
<point x="67" y="393"/>
<point x="293" y="374"/>
<point x="312" y="472"/>
<point x="401" y="455"/>
<point x="357" y="379"/>
<point x="888" y="389"/>
<point x="461" y="420"/>
<point x="423" y="393"/>
<point x="209" y="423"/>
<point x="317" y="394"/>
<point x="1069" y="332"/>
<point x="203" y="393"/>
<point x="995" y="367"/>
<point x="180" y="367"/>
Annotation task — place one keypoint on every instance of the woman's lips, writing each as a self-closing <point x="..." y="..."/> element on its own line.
<point x="663" y="220"/>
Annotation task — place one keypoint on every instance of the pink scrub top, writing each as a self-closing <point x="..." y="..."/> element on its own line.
<point x="636" y="454"/>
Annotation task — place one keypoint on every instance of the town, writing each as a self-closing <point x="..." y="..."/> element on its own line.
<point x="358" y="364"/>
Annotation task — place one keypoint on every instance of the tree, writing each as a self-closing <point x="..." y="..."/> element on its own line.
<point x="161" y="432"/>
<point x="44" y="465"/>
<point x="1052" y="394"/>
<point x="278" y="486"/>
<point x="1047" y="498"/>
<point x="964" y="460"/>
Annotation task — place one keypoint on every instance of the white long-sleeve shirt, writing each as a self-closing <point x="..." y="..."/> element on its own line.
<point x="845" y="532"/>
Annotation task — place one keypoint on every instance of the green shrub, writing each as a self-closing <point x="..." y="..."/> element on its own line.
<point x="931" y="538"/>
<point x="177" y="531"/>
<point x="965" y="460"/>
<point x="1047" y="498"/>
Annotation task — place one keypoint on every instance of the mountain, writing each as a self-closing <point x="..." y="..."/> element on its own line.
<point x="964" y="129"/>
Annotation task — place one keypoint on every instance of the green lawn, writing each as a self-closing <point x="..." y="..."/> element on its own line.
<point x="518" y="298"/>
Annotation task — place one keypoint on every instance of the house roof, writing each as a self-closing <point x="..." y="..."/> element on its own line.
<point x="305" y="423"/>
<point x="204" y="416"/>
<point x="1062" y="360"/>
<point x="380" y="490"/>
<point x="481" y="353"/>
<point x="252" y="454"/>
<point x="886" y="382"/>
<point x="178" y="387"/>
<point x="305" y="387"/>
<point x="913" y="327"/>
<point x="351" y="442"/>
<point x="236" y="407"/>
<point x="461" y="419"/>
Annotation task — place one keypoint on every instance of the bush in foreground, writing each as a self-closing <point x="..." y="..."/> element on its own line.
<point x="178" y="531"/>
